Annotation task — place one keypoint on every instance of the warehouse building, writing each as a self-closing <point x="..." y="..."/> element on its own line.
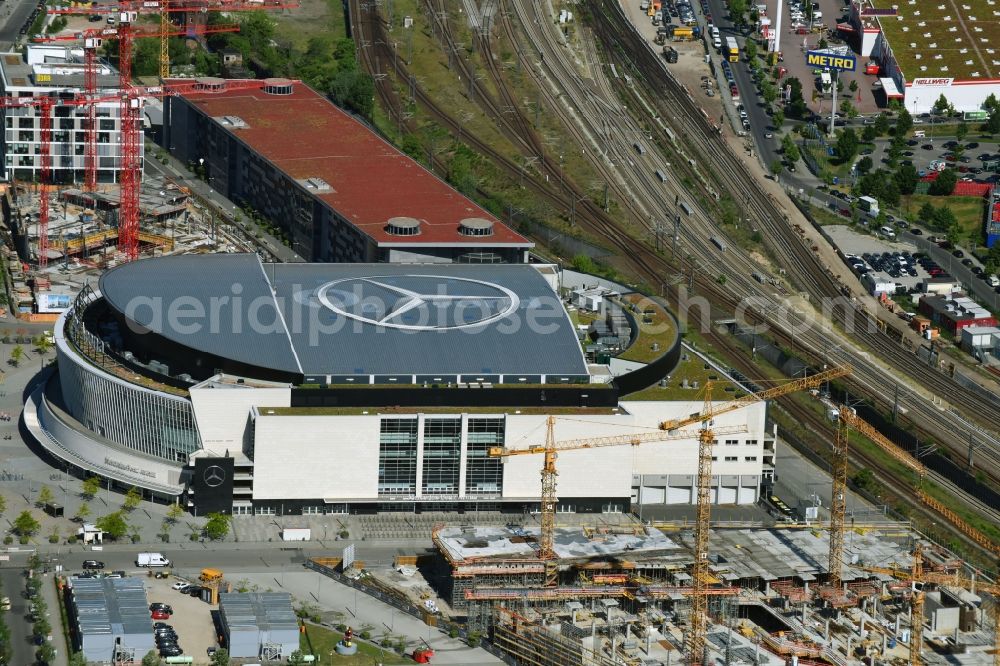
<point x="349" y="388"/>
<point x="110" y="617"/>
<point x="47" y="70"/>
<point x="925" y="49"/>
<point x="259" y="625"/>
<point x="338" y="190"/>
<point x="955" y="312"/>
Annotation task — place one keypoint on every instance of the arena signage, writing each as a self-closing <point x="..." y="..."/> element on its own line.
<point x="871" y="11"/>
<point x="128" y="468"/>
<point x="941" y="83"/>
<point x="826" y="60"/>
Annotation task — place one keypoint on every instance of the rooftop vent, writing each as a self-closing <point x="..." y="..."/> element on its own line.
<point x="278" y="86"/>
<point x="232" y="122"/>
<point x="475" y="226"/>
<point x="315" y="184"/>
<point x="402" y="226"/>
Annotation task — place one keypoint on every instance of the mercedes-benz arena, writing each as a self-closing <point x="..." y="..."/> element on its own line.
<point x="330" y="388"/>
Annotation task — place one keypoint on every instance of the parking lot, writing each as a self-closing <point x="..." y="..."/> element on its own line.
<point x="192" y="618"/>
<point x="886" y="260"/>
<point x="971" y="161"/>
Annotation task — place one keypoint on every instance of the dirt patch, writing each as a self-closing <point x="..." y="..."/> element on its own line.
<point x="312" y="18"/>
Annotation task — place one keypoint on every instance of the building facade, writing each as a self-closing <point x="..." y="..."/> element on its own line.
<point x="380" y="410"/>
<point x="334" y="187"/>
<point x="57" y="71"/>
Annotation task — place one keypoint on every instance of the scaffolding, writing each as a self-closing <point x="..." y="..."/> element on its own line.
<point x="532" y="644"/>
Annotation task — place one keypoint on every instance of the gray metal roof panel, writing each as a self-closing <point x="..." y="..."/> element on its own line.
<point x="147" y="292"/>
<point x="358" y="319"/>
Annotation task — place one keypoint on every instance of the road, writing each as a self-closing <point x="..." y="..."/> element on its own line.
<point x="20" y="628"/>
<point x="13" y="14"/>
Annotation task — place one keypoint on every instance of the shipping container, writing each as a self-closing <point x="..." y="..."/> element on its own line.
<point x="719" y="243"/>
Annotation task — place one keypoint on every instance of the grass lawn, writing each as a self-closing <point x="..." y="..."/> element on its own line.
<point x="655" y="326"/>
<point x="968" y="211"/>
<point x="829" y="166"/>
<point x="320" y="642"/>
<point x="826" y="216"/>
<point x="312" y="18"/>
<point x="693" y="370"/>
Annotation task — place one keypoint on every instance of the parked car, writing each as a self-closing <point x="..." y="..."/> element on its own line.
<point x="180" y="585"/>
<point x="160" y="615"/>
<point x="93" y="564"/>
<point x="957" y="253"/>
<point x="157" y="606"/>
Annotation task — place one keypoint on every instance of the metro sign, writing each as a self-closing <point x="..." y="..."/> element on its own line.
<point x="933" y="82"/>
<point x="827" y="60"/>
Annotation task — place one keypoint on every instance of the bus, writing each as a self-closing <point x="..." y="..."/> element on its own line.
<point x="732" y="50"/>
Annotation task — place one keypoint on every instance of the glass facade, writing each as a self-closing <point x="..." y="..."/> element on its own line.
<point x="442" y="456"/>
<point x="483" y="474"/>
<point x="150" y="422"/>
<point x="397" y="457"/>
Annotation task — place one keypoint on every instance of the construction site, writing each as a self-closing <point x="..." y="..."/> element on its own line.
<point x="820" y="592"/>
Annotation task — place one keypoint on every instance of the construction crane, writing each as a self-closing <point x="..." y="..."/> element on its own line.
<point x="130" y="102"/>
<point x="550" y="450"/>
<point x="847" y="419"/>
<point x="917" y="575"/>
<point x="695" y="647"/>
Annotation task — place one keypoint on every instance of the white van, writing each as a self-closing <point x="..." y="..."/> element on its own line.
<point x="919" y="134"/>
<point x="151" y="560"/>
<point x="888" y="232"/>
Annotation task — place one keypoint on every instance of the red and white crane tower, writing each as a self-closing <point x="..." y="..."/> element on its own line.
<point x="130" y="97"/>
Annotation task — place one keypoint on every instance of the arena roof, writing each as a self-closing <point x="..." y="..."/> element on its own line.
<point x="351" y="168"/>
<point x="931" y="39"/>
<point x="353" y="319"/>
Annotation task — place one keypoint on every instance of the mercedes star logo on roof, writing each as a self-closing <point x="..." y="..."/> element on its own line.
<point x="418" y="302"/>
<point x="214" y="476"/>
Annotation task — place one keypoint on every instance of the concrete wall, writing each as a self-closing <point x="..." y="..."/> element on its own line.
<point x="223" y="414"/>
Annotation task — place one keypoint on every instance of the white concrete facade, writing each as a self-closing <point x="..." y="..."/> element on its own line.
<point x="336" y="458"/>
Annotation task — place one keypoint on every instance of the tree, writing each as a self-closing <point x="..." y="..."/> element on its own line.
<point x="113" y="525"/>
<point x="778" y="118"/>
<point x="864" y="165"/>
<point x="46" y="654"/>
<point x="992" y="260"/>
<point x="944" y="184"/>
<point x="869" y="134"/>
<point x="82" y="512"/>
<point x="776" y="167"/>
<point x="847" y="108"/>
<point x="3" y="504"/>
<point x="750" y="48"/>
<point x="220" y="658"/>
<point x="25" y="524"/>
<point x="881" y="124"/>
<point x="942" y="106"/>
<point x="945" y="219"/>
<point x="296" y="658"/>
<point x="962" y="131"/>
<point x="993" y="123"/>
<point x="796" y="107"/>
<point x="42" y="345"/>
<point x="133" y="498"/>
<point x="91" y="486"/>
<point x="906" y="178"/>
<point x="217" y="526"/>
<point x="904" y="123"/>
<point x="77" y="659"/>
<point x="789" y="148"/>
<point x="926" y="213"/>
<point x="737" y="10"/>
<point x="847" y="145"/>
<point x="16" y="354"/>
<point x="44" y="496"/>
<point x="151" y="659"/>
<point x="174" y="513"/>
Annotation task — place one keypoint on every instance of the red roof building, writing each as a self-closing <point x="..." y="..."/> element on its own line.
<point x="340" y="191"/>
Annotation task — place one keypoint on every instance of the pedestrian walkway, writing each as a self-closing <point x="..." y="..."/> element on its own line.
<point x="51" y="596"/>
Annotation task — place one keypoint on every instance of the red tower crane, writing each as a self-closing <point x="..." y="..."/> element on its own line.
<point x="130" y="100"/>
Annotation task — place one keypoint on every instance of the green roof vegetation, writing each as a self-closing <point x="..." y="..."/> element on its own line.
<point x="692" y="370"/>
<point x="931" y="39"/>
<point x="657" y="331"/>
<point x="359" y="411"/>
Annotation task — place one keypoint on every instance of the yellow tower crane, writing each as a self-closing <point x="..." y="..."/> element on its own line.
<point x="847" y="419"/>
<point x="695" y="647"/>
<point x="917" y="575"/>
<point x="551" y="448"/>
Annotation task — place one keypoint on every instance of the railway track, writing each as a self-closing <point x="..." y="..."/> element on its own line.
<point x="643" y="261"/>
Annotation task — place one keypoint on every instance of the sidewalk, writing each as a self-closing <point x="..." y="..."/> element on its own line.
<point x="50" y="595"/>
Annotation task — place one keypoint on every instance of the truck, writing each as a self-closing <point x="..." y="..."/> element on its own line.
<point x="296" y="534"/>
<point x="151" y="560"/>
<point x="868" y="205"/>
<point x="670" y="53"/>
<point x="993" y="281"/>
<point x="732" y="50"/>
